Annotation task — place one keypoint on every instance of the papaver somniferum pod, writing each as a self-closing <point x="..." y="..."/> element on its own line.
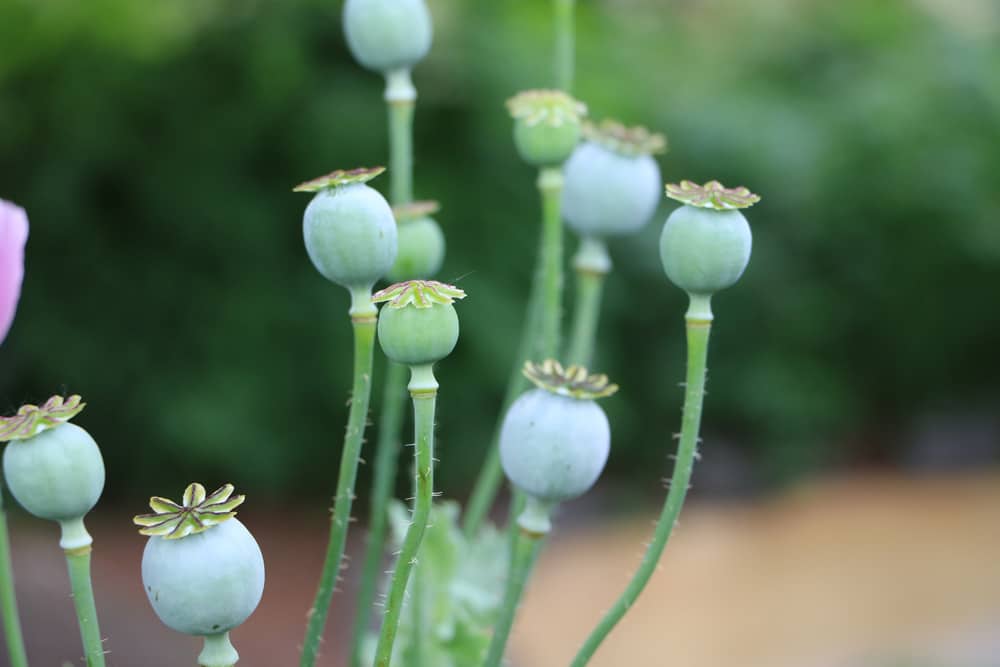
<point x="13" y="236"/>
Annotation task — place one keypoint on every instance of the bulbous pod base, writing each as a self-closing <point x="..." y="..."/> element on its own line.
<point x="605" y="193"/>
<point x="421" y="250"/>
<point x="56" y="475"/>
<point x="544" y="145"/>
<point x="704" y="250"/>
<point x="554" y="447"/>
<point x="386" y="35"/>
<point x="418" y="336"/>
<point x="218" y="651"/>
<point x="350" y="234"/>
<point x="207" y="583"/>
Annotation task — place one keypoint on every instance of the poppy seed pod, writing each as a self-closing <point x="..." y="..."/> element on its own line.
<point x="421" y="242"/>
<point x="386" y="35"/>
<point x="348" y="227"/>
<point x="13" y="236"/>
<point x="52" y="467"/>
<point x="418" y="325"/>
<point x="705" y="244"/>
<point x="202" y="570"/>
<point x="612" y="183"/>
<point x="547" y="125"/>
<point x="555" y="440"/>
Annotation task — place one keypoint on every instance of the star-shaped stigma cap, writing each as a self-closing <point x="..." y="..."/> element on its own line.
<point x="573" y="381"/>
<point x="196" y="513"/>
<point x="31" y="420"/>
<point x="711" y="195"/>
<point x="418" y="293"/>
<point x="339" y="177"/>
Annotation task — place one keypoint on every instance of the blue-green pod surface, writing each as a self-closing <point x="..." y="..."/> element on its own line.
<point x="421" y="250"/>
<point x="386" y="35"/>
<point x="205" y="583"/>
<point x="57" y="474"/>
<point x="704" y="250"/>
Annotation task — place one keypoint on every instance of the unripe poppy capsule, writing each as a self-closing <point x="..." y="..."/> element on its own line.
<point x="547" y="126"/>
<point x="705" y="244"/>
<point x="348" y="227"/>
<point x="418" y="325"/>
<point x="421" y="242"/>
<point x="386" y="35"/>
<point x="612" y="183"/>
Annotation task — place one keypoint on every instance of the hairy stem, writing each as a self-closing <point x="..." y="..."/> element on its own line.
<point x="218" y="651"/>
<point x="363" y="319"/>
<point x="527" y="546"/>
<point x="423" y="389"/>
<point x="539" y="340"/>
<point x="564" y="43"/>
<point x="78" y="562"/>
<point x="386" y="456"/>
<point x="699" y="322"/>
<point x="8" y="600"/>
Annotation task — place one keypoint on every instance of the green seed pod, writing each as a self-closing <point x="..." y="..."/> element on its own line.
<point x="421" y="242"/>
<point x="386" y="35"/>
<point x="547" y="126"/>
<point x="418" y="325"/>
<point x="202" y="570"/>
<point x="612" y="183"/>
<point x="555" y="440"/>
<point x="52" y="467"/>
<point x="705" y="244"/>
<point x="349" y="230"/>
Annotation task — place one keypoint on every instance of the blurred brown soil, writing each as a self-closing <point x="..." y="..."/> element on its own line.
<point x="863" y="571"/>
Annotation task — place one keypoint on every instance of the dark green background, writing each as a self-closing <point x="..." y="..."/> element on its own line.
<point x="154" y="145"/>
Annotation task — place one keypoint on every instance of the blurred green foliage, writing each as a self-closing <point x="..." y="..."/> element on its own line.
<point x="154" y="146"/>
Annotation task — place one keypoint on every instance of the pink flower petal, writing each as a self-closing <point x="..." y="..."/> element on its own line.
<point x="13" y="236"/>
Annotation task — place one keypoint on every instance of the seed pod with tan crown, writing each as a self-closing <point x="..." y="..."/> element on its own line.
<point x="547" y="125"/>
<point x="55" y="470"/>
<point x="202" y="570"/>
<point x="421" y="242"/>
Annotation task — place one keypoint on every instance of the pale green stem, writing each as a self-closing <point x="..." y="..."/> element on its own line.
<point x="564" y="43"/>
<point x="386" y="456"/>
<point x="423" y="389"/>
<point x="539" y="341"/>
<point x="592" y="265"/>
<point x="218" y="651"/>
<point x="400" y="96"/>
<point x="363" y="319"/>
<point x="527" y="546"/>
<point x="8" y="600"/>
<point x="76" y="544"/>
<point x="699" y="322"/>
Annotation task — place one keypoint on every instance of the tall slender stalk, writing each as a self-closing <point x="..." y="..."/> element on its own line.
<point x="564" y="43"/>
<point x="78" y="563"/>
<point x="527" y="547"/>
<point x="400" y="96"/>
<point x="699" y="322"/>
<point x="423" y="389"/>
<point x="540" y="337"/>
<point x="591" y="265"/>
<point x="8" y="599"/>
<point x="363" y="318"/>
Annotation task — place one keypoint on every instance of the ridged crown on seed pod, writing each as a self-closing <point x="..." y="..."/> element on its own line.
<point x="573" y="381"/>
<point x="547" y="125"/>
<point x="31" y="420"/>
<point x="705" y="244"/>
<point x="612" y="183"/>
<point x="421" y="241"/>
<point x="386" y="35"/>
<point x="196" y="513"/>
<point x="348" y="228"/>
<point x="418" y="325"/>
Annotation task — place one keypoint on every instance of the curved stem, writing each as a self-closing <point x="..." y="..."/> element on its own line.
<point x="386" y="456"/>
<point x="424" y="392"/>
<point x="218" y="651"/>
<point x="539" y="340"/>
<point x="78" y="563"/>
<point x="564" y="43"/>
<point x="363" y="319"/>
<point x="8" y="599"/>
<point x="527" y="546"/>
<point x="699" y="322"/>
